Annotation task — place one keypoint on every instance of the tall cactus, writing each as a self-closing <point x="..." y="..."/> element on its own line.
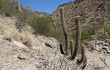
<point x="69" y="43"/>
<point x="19" y="6"/>
<point x="78" y="38"/>
<point x="64" y="31"/>
<point x="83" y="56"/>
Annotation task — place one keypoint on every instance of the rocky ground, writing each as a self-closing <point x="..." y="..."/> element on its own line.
<point x="41" y="53"/>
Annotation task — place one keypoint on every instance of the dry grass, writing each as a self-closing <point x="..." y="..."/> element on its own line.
<point x="24" y="37"/>
<point x="12" y="33"/>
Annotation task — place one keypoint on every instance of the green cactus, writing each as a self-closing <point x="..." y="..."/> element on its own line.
<point x="69" y="43"/>
<point x="78" y="38"/>
<point x="83" y="56"/>
<point x="71" y="47"/>
<point x="65" y="32"/>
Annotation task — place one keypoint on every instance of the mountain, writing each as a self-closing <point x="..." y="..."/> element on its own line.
<point x="41" y="13"/>
<point x="94" y="16"/>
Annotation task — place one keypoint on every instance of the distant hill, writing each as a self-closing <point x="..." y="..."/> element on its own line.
<point x="41" y="13"/>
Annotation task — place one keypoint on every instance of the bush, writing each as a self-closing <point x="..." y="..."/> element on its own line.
<point x="7" y="8"/>
<point x="84" y="37"/>
<point x="43" y="25"/>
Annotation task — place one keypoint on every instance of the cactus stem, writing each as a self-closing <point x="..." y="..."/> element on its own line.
<point x="78" y="38"/>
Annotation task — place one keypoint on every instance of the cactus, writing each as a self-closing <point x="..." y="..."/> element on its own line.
<point x="83" y="56"/>
<point x="71" y="47"/>
<point x="78" y="38"/>
<point x="64" y="31"/>
<point x="19" y="6"/>
<point x="69" y="43"/>
<point x="61" y="49"/>
<point x="84" y="63"/>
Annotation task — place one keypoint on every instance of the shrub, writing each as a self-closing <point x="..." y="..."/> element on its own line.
<point x="7" y="7"/>
<point x="43" y="25"/>
<point x="84" y="36"/>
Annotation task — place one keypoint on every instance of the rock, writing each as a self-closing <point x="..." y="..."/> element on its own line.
<point x="106" y="44"/>
<point x="47" y="44"/>
<point x="30" y="67"/>
<point x="100" y="45"/>
<point x="18" y="44"/>
<point x="5" y="68"/>
<point x="24" y="56"/>
<point x="108" y="51"/>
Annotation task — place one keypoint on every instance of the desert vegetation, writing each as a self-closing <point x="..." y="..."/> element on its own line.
<point x="41" y="24"/>
<point x="68" y="49"/>
<point x="64" y="35"/>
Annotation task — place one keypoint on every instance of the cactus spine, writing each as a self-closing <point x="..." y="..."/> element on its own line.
<point x="64" y="31"/>
<point x="78" y="38"/>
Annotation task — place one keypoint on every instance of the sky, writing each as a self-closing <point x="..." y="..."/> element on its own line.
<point x="47" y="6"/>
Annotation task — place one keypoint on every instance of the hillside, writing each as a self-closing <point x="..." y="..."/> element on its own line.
<point x="94" y="16"/>
<point x="25" y="51"/>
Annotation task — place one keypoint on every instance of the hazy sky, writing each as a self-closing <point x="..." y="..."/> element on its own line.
<point x="43" y="5"/>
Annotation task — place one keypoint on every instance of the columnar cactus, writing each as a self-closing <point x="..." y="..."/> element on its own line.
<point x="78" y="38"/>
<point x="64" y="31"/>
<point x="19" y="6"/>
<point x="71" y="47"/>
<point x="83" y="56"/>
<point x="69" y="44"/>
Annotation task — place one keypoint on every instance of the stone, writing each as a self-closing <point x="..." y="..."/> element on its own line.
<point x="100" y="45"/>
<point x="30" y="67"/>
<point x="18" y="44"/>
<point x="24" y="55"/>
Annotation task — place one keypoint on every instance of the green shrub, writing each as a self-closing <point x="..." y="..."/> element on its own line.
<point x="7" y="7"/>
<point x="43" y="25"/>
<point x="4" y="5"/>
<point x="84" y="36"/>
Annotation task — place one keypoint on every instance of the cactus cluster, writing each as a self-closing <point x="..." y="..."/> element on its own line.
<point x="69" y="43"/>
